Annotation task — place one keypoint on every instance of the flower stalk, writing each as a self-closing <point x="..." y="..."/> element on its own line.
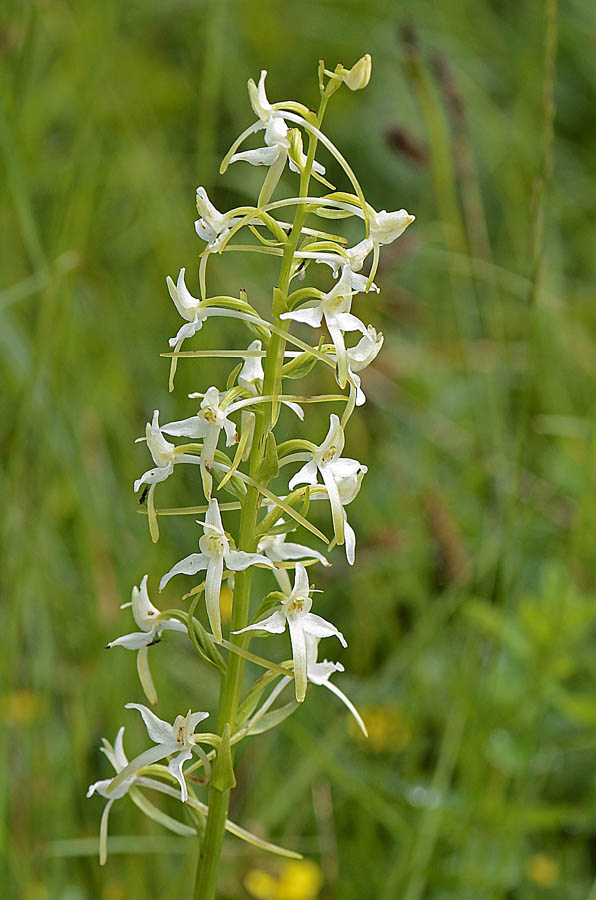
<point x="251" y="469"/>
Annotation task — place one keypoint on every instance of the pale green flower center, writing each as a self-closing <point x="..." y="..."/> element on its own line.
<point x="329" y="455"/>
<point x="209" y="413"/>
<point x="296" y="605"/>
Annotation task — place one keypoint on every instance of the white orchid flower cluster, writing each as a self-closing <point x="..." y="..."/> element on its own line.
<point x="247" y="505"/>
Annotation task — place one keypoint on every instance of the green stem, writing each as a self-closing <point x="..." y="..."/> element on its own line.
<point x="210" y="850"/>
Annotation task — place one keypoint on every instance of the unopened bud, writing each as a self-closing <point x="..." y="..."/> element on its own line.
<point x="358" y="76"/>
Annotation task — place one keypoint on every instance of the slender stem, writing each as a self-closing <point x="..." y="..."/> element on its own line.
<point x="210" y="850"/>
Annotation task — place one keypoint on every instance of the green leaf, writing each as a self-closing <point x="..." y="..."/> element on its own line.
<point x="299" y="366"/>
<point x="274" y="718"/>
<point x="223" y="776"/>
<point x="233" y="375"/>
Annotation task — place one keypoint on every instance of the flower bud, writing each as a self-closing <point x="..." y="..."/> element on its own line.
<point x="358" y="76"/>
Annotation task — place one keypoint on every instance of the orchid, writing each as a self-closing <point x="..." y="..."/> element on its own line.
<point x="362" y="355"/>
<point x="129" y="785"/>
<point x="277" y="549"/>
<point x="334" y="307"/>
<point x="245" y="406"/>
<point x="178" y="738"/>
<point x="319" y="673"/>
<point x="211" y="226"/>
<point x="152" y="623"/>
<point x="251" y="378"/>
<point x="207" y="424"/>
<point x="215" y="553"/>
<point x="295" y="613"/>
<point x="117" y="757"/>
<point x="165" y="455"/>
<point x="275" y="152"/>
<point x="327" y="459"/>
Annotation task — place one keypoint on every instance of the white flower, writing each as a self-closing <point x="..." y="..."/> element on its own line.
<point x="320" y="672"/>
<point x="189" y="308"/>
<point x="162" y="451"/>
<point x="165" y="455"/>
<point x="153" y="623"/>
<point x="277" y="549"/>
<point x="212" y="226"/>
<point x="275" y="152"/>
<point x="195" y="311"/>
<point x="348" y="486"/>
<point x="386" y="227"/>
<point x="178" y="738"/>
<point x="295" y="613"/>
<point x="361" y="356"/>
<point x="148" y="618"/>
<point x="328" y="461"/>
<point x="207" y="424"/>
<point x="358" y="76"/>
<point x="252" y="375"/>
<point x="334" y="307"/>
<point x="215" y="552"/>
<point x="117" y="757"/>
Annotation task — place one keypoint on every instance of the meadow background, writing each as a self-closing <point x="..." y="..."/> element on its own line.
<point x="471" y="609"/>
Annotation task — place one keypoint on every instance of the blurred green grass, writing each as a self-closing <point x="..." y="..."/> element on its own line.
<point x="471" y="606"/>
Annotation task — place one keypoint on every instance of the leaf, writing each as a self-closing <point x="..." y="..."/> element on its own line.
<point x="299" y="366"/>
<point x="233" y="375"/>
<point x="223" y="776"/>
<point x="274" y="718"/>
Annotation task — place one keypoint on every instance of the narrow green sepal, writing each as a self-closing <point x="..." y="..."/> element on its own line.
<point x="269" y="467"/>
<point x="223" y="776"/>
<point x="274" y="718"/>
<point x="249" y="703"/>
<point x="205" y="646"/>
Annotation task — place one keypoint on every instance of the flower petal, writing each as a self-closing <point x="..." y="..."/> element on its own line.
<point x="133" y="641"/>
<point x="159" y="731"/>
<point x="103" y="833"/>
<point x="231" y="433"/>
<point x="274" y="624"/>
<point x="263" y="156"/>
<point x="193" y="427"/>
<point x="295" y="624"/>
<point x="350" y="541"/>
<point x="154" y="476"/>
<point x="347" y="702"/>
<point x="308" y="315"/>
<point x="238" y="560"/>
<point x="212" y="592"/>
<point x="175" y="769"/>
<point x="145" y="677"/>
<point x="213" y="517"/>
<point x="306" y="475"/>
<point x="319" y="627"/>
<point x="187" y="566"/>
<point x="288" y="550"/>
